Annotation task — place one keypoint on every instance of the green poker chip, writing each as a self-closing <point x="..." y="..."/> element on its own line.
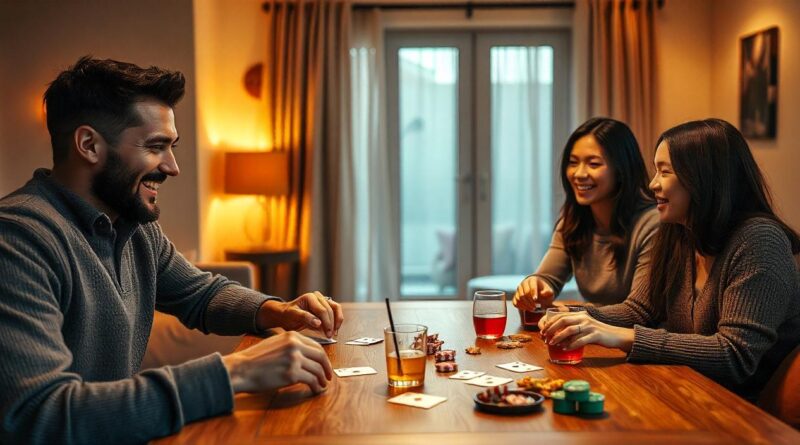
<point x="576" y="390"/>
<point x="594" y="405"/>
<point x="561" y="405"/>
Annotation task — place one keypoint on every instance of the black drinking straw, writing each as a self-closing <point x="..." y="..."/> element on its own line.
<point x="394" y="336"/>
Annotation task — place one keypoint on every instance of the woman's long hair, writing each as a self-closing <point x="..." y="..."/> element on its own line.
<point x="712" y="161"/>
<point x="631" y="192"/>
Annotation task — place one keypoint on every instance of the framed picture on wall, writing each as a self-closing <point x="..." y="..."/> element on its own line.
<point x="758" y="93"/>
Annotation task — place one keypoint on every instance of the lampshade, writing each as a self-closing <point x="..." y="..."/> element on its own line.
<point x="257" y="173"/>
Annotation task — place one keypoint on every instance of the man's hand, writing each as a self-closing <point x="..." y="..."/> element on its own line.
<point x="311" y="310"/>
<point x="533" y="291"/>
<point x="279" y="361"/>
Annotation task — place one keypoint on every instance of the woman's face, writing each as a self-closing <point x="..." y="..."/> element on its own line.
<point x="672" y="197"/>
<point x="589" y="174"/>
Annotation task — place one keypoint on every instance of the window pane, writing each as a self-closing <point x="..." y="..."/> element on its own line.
<point x="428" y="94"/>
<point x="522" y="123"/>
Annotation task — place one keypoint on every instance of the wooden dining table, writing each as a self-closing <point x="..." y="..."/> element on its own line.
<point x="644" y="403"/>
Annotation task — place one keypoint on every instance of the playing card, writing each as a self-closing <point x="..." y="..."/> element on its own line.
<point x="317" y="338"/>
<point x="519" y="367"/>
<point x="358" y="370"/>
<point x="417" y="400"/>
<point x="364" y="341"/>
<point x="466" y="375"/>
<point x="488" y="380"/>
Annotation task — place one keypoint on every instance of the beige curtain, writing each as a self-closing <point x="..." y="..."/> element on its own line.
<point x="306" y="92"/>
<point x="621" y="67"/>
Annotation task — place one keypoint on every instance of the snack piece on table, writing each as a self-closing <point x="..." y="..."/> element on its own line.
<point x="544" y="386"/>
<point x="445" y="355"/>
<point x="446" y="366"/>
<point x="522" y="338"/>
<point x="508" y="344"/>
<point x="473" y="350"/>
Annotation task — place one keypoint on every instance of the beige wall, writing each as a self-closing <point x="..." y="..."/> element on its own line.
<point x="39" y="38"/>
<point x="683" y="57"/>
<point x="778" y="158"/>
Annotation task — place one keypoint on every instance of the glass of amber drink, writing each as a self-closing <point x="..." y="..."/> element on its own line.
<point x="406" y="347"/>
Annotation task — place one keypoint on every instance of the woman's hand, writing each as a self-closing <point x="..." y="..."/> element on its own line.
<point x="573" y="330"/>
<point x="532" y="291"/>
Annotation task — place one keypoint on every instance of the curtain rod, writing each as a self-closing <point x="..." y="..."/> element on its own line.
<point x="467" y="6"/>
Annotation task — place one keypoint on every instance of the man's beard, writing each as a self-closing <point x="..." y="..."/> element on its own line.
<point x="114" y="185"/>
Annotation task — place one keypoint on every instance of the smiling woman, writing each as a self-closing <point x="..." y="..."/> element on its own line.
<point x="607" y="222"/>
<point x="722" y="294"/>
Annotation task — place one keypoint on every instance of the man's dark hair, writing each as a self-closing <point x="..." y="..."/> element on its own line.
<point x="101" y="94"/>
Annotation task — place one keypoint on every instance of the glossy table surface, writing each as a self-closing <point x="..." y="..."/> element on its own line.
<point x="650" y="404"/>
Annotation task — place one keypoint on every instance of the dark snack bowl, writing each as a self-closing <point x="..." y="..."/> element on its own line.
<point x="497" y="408"/>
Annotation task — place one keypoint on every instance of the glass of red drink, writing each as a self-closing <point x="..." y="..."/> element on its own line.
<point x="489" y="313"/>
<point x="530" y="319"/>
<point x="557" y="354"/>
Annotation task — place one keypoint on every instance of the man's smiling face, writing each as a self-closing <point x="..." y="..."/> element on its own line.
<point x="140" y="162"/>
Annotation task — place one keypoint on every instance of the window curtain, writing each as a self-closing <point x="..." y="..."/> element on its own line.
<point x="377" y="250"/>
<point x="621" y="64"/>
<point x="306" y="93"/>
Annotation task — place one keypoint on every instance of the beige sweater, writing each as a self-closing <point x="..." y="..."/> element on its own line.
<point x="599" y="282"/>
<point x="738" y="328"/>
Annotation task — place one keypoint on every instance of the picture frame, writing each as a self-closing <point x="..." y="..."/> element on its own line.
<point x="758" y="92"/>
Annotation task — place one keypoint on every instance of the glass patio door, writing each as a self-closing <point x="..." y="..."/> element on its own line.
<point x="474" y="118"/>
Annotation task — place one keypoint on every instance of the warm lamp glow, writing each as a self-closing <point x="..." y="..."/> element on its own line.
<point x="257" y="173"/>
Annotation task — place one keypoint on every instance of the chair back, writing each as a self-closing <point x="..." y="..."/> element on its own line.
<point x="781" y="395"/>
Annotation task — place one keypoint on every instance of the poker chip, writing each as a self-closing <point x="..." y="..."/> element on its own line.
<point x="594" y="405"/>
<point x="576" y="390"/>
<point x="434" y="346"/>
<point x="561" y="405"/>
<point x="446" y="366"/>
<point x="445" y="355"/>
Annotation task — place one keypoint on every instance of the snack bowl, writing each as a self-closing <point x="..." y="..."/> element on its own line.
<point x="497" y="404"/>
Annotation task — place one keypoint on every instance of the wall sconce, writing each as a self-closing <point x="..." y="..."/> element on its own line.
<point x="260" y="173"/>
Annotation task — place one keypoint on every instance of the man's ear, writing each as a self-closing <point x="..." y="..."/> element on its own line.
<point x="89" y="144"/>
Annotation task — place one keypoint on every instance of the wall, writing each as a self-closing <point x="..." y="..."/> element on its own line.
<point x="38" y="39"/>
<point x="229" y="38"/>
<point x="778" y="158"/>
<point x="683" y="63"/>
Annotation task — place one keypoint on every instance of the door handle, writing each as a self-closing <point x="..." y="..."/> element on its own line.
<point x="483" y="186"/>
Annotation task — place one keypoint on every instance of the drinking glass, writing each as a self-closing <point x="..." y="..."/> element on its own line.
<point x="530" y="319"/>
<point x="557" y="354"/>
<point x="489" y="313"/>
<point x="409" y="370"/>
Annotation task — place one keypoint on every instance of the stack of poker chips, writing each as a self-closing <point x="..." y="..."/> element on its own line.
<point x="445" y="360"/>
<point x="576" y="398"/>
<point x="434" y="344"/>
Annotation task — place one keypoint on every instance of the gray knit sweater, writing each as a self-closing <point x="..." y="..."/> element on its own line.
<point x="599" y="280"/>
<point x="738" y="328"/>
<point x="77" y="296"/>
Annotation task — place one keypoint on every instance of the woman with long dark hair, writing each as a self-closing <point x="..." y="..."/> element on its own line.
<point x="723" y="294"/>
<point x="607" y="222"/>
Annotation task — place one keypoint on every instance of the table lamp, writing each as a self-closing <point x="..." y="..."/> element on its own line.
<point x="260" y="173"/>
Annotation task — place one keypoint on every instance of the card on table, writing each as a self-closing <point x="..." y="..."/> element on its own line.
<point x="466" y="375"/>
<point x="488" y="380"/>
<point x="519" y="367"/>
<point x="358" y="370"/>
<point x="364" y="341"/>
<point x="315" y="335"/>
<point x="417" y="400"/>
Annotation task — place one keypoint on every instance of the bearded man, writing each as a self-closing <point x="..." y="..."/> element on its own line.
<point x="84" y="264"/>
